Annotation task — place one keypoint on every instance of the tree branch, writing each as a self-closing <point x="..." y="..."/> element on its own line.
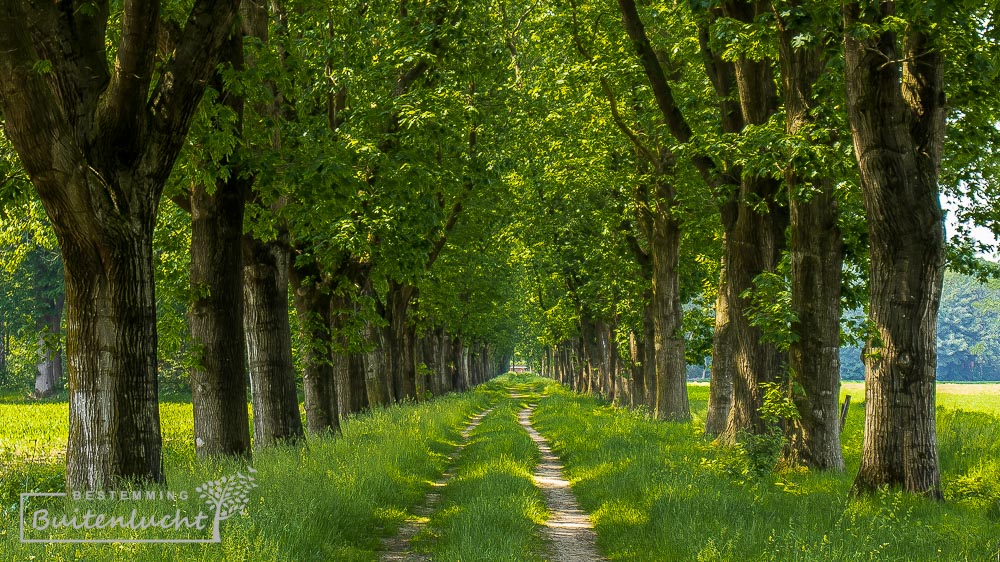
<point x="456" y="209"/>
<point x="71" y="40"/>
<point x="657" y="79"/>
<point x="617" y="118"/>
<point x="32" y="120"/>
<point x="608" y="92"/>
<point x="122" y="107"/>
<point x="178" y="92"/>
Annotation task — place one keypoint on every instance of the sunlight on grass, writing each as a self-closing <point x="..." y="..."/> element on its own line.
<point x="331" y="498"/>
<point x="491" y="509"/>
<point x="661" y="491"/>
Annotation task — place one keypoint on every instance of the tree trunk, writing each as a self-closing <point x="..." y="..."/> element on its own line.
<point x="312" y="304"/>
<point x="349" y="372"/>
<point x="722" y="74"/>
<point x="649" y="351"/>
<point x="4" y="346"/>
<point x="359" y="392"/>
<point x="218" y="375"/>
<point x="755" y="245"/>
<point x="49" y="368"/>
<point x="399" y="343"/>
<point x="463" y="366"/>
<point x="720" y="391"/>
<point x="898" y="124"/>
<point x="665" y="248"/>
<point x="50" y="297"/>
<point x="341" y="362"/>
<point x="816" y="260"/>
<point x="269" y="342"/>
<point x="114" y="416"/>
<point x="376" y="374"/>
<point x="215" y="314"/>
<point x="754" y="250"/>
<point x="447" y="365"/>
<point x="637" y="381"/>
<point x="608" y="355"/>
<point x="432" y="350"/>
<point x="98" y="143"/>
<point x="587" y="353"/>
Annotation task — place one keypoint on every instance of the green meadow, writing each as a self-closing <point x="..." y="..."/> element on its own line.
<point x="655" y="490"/>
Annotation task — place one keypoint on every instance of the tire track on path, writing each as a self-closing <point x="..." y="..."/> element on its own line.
<point x="398" y="548"/>
<point x="568" y="529"/>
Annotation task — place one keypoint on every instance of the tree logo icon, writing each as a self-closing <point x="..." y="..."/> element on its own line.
<point x="228" y="495"/>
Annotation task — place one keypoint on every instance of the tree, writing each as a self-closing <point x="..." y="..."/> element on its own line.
<point x="31" y="302"/>
<point x="216" y="203"/>
<point x="98" y="142"/>
<point x="896" y="105"/>
<point x="816" y="247"/>
<point x="266" y="248"/>
<point x="756" y="237"/>
<point x="753" y="218"/>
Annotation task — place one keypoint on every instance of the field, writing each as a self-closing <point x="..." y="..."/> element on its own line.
<point x="660" y="491"/>
<point x="656" y="491"/>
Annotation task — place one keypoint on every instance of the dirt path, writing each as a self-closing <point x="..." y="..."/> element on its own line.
<point x="397" y="548"/>
<point x="568" y="530"/>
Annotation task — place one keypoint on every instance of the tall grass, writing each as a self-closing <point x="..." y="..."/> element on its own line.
<point x="490" y="510"/>
<point x="655" y="490"/>
<point x="331" y="498"/>
<point x="661" y="491"/>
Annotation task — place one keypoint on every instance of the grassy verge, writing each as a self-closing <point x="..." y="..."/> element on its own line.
<point x="660" y="491"/>
<point x="491" y="509"/>
<point x="328" y="499"/>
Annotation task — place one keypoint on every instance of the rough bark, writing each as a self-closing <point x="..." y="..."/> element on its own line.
<point x="720" y="391"/>
<point x="376" y="374"/>
<point x="340" y="358"/>
<point x="399" y="346"/>
<point x="359" y="392"/>
<point x="341" y="362"/>
<point x="348" y="362"/>
<point x="4" y="345"/>
<point x="665" y="248"/>
<point x="649" y="351"/>
<point x="312" y="305"/>
<point x="269" y="342"/>
<point x="897" y="115"/>
<point x="723" y="77"/>
<point x="215" y="312"/>
<point x="462" y="382"/>
<point x="98" y="143"/>
<point x="754" y="245"/>
<point x="432" y="353"/>
<point x="816" y="259"/>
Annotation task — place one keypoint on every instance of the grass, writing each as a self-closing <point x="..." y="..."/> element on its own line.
<point x="329" y="499"/>
<point x="978" y="396"/>
<point x="661" y="491"/>
<point x="490" y="510"/>
<point x="656" y="491"/>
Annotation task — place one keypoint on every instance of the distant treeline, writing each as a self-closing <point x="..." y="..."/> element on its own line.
<point x="968" y="333"/>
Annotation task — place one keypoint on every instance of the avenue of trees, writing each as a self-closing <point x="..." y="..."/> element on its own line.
<point x="389" y="199"/>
